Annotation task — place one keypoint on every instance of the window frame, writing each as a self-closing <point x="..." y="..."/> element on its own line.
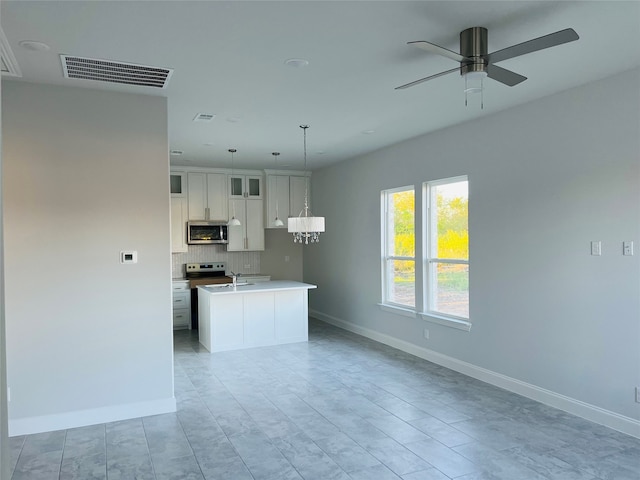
<point x="429" y="259"/>
<point x="386" y="260"/>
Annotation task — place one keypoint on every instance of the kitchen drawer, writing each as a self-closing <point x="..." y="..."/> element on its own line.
<point x="181" y="318"/>
<point x="179" y="285"/>
<point x="181" y="299"/>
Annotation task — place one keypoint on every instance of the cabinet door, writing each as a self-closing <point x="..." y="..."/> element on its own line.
<point x="237" y="234"/>
<point x="297" y="186"/>
<point x="291" y="319"/>
<point x="227" y="322"/>
<point x="177" y="183"/>
<point x="255" y="225"/>
<point x="178" y="224"/>
<point x="197" y="195"/>
<point x="277" y="200"/>
<point x="253" y="186"/>
<point x="259" y="327"/>
<point x="236" y="186"/>
<point x="217" y="196"/>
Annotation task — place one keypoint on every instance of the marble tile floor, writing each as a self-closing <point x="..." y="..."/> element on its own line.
<point x="338" y="407"/>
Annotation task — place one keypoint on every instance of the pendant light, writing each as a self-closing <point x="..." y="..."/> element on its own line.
<point x="277" y="222"/>
<point x="305" y="227"/>
<point x="234" y="222"/>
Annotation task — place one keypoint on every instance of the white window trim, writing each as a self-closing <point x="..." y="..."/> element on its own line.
<point x="392" y="307"/>
<point x="432" y="315"/>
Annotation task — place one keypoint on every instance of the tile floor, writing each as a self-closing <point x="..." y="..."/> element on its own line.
<point x="339" y="407"/>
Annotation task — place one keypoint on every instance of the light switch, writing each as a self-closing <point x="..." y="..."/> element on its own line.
<point x="596" y="248"/>
<point x="627" y="248"/>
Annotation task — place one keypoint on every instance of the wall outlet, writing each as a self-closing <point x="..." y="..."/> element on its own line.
<point x="247" y="266"/>
<point x="596" y="248"/>
<point x="286" y="258"/>
<point x="637" y="394"/>
<point x="627" y="248"/>
<point x="426" y="333"/>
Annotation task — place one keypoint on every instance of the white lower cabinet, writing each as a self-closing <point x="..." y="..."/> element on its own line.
<point x="233" y="320"/>
<point x="181" y="304"/>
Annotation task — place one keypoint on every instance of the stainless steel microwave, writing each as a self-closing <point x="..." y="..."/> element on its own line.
<point x="207" y="233"/>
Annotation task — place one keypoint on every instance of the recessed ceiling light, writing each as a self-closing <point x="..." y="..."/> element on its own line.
<point x="368" y="132"/>
<point x="320" y="152"/>
<point x="209" y="144"/>
<point x="35" y="46"/>
<point x="296" y="62"/>
<point x="233" y="119"/>
<point x="176" y="153"/>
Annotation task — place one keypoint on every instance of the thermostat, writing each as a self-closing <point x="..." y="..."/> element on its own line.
<point x="129" y="257"/>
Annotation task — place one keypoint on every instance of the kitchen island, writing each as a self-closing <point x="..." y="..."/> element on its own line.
<point x="253" y="315"/>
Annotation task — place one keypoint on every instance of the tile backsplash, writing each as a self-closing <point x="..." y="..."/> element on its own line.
<point x="239" y="262"/>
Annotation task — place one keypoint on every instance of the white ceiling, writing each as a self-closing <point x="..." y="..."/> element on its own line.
<point x="228" y="59"/>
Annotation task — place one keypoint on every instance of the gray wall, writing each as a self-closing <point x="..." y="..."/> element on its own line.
<point x="546" y="178"/>
<point x="4" y="431"/>
<point x="278" y="244"/>
<point x="85" y="176"/>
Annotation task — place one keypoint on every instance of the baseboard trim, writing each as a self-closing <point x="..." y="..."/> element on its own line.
<point x="82" y="418"/>
<point x="582" y="409"/>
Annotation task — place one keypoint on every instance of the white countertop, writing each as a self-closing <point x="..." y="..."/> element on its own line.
<point x="226" y="289"/>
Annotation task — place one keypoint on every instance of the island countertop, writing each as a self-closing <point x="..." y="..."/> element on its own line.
<point x="273" y="285"/>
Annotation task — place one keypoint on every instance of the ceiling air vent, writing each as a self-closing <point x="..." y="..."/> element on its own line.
<point x="115" y="72"/>
<point x="204" y="117"/>
<point x="8" y="61"/>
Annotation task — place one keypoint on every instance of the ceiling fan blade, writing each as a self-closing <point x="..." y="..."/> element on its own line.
<point x="558" y="38"/>
<point x="407" y="85"/>
<point x="433" y="48"/>
<point x="505" y="76"/>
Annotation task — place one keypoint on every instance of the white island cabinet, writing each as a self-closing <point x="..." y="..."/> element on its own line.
<point x="253" y="315"/>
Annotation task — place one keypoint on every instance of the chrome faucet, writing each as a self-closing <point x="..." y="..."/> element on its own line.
<point x="234" y="277"/>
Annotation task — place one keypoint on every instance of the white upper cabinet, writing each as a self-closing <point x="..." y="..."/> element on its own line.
<point x="297" y="188"/>
<point x="285" y="195"/>
<point x="178" y="184"/>
<point x="207" y="194"/>
<point x="245" y="186"/>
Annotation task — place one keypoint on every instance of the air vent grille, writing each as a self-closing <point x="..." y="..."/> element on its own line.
<point x="7" y="59"/>
<point x="115" y="72"/>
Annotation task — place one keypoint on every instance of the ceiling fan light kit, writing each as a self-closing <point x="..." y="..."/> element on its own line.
<point x="476" y="63"/>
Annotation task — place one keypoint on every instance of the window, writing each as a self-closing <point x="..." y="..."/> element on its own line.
<point x="398" y="247"/>
<point x="446" y="248"/>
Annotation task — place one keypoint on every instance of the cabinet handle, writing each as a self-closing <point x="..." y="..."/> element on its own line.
<point x="246" y="244"/>
<point x="178" y="300"/>
<point x="206" y="213"/>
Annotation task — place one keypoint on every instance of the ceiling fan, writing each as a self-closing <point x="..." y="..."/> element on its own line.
<point x="476" y="62"/>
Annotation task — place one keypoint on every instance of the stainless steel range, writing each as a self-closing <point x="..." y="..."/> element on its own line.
<point x="205" y="270"/>
<point x="203" y="274"/>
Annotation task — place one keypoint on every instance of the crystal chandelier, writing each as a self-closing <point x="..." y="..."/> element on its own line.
<point x="305" y="227"/>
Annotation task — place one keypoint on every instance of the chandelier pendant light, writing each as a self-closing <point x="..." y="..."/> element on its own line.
<point x="277" y="222"/>
<point x="305" y="227"/>
<point x="234" y="222"/>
